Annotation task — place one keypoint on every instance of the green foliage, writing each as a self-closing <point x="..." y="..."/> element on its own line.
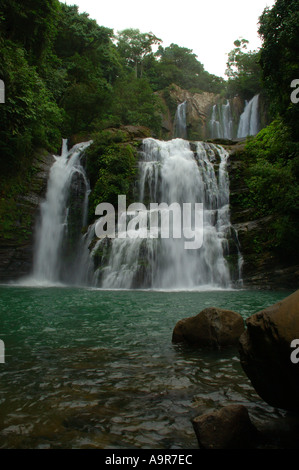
<point x="273" y="143"/>
<point x="273" y="185"/>
<point x="88" y="64"/>
<point x="58" y="67"/>
<point x="77" y="33"/>
<point x="279" y="58"/>
<point x="101" y="140"/>
<point x="179" y="65"/>
<point x="135" y="103"/>
<point x="13" y="211"/>
<point x="273" y="155"/>
<point x="243" y="71"/>
<point x="134" y="46"/>
<point x="30" y="24"/>
<point x="113" y="167"/>
<point x="84" y="47"/>
<point x="64" y="75"/>
<point x="30" y="117"/>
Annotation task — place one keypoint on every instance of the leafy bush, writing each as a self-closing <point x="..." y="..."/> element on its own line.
<point x="30" y="116"/>
<point x="273" y="185"/>
<point x="112" y="168"/>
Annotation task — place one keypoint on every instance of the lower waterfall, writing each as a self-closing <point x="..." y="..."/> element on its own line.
<point x="55" y="234"/>
<point x="173" y="172"/>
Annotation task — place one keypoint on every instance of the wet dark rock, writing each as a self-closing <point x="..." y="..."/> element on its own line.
<point x="227" y="428"/>
<point x="16" y="243"/>
<point x="265" y="353"/>
<point x="212" y="327"/>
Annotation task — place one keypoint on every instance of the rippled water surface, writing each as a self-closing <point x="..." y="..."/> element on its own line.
<point x="89" y="368"/>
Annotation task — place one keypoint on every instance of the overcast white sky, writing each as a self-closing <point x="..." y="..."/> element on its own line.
<point x="208" y="27"/>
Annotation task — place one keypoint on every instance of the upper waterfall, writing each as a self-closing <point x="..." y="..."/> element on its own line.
<point x="249" y="120"/>
<point x="221" y="123"/>
<point x="180" y="121"/>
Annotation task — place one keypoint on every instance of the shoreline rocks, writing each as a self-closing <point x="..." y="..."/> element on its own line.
<point x="212" y="327"/>
<point x="269" y="356"/>
<point x="227" y="428"/>
<point x="265" y="353"/>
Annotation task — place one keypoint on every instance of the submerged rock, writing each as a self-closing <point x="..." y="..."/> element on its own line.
<point x="227" y="428"/>
<point x="265" y="353"/>
<point x="212" y="327"/>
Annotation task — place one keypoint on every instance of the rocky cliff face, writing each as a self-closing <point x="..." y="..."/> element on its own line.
<point x="199" y="108"/>
<point x="198" y="111"/>
<point x="263" y="268"/>
<point x="17" y="237"/>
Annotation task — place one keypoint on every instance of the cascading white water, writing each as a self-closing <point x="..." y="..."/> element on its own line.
<point x="171" y="172"/>
<point x="215" y="129"/>
<point x="227" y="121"/>
<point x="249" y="120"/>
<point x="180" y="121"/>
<point x="221" y="123"/>
<point x="54" y="213"/>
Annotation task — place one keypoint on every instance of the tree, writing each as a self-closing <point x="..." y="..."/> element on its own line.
<point x="236" y="58"/>
<point x="30" y="24"/>
<point x="30" y="116"/>
<point x="243" y="71"/>
<point x="80" y="35"/>
<point x="279" y="58"/>
<point x="134" y="46"/>
<point x="89" y="65"/>
<point x="179" y="65"/>
<point x="135" y="103"/>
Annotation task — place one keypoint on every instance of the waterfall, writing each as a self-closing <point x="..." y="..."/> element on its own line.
<point x="172" y="172"/>
<point x="215" y="124"/>
<point x="249" y="120"/>
<point x="55" y="233"/>
<point x="221" y="123"/>
<point x="180" y="121"/>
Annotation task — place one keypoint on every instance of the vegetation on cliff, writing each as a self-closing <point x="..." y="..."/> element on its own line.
<point x="272" y="157"/>
<point x="269" y="176"/>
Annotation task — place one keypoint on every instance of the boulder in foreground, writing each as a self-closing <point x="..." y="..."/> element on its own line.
<point x="265" y="353"/>
<point x="212" y="327"/>
<point x="228" y="428"/>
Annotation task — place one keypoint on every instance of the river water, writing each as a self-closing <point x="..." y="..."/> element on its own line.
<point x="91" y="368"/>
